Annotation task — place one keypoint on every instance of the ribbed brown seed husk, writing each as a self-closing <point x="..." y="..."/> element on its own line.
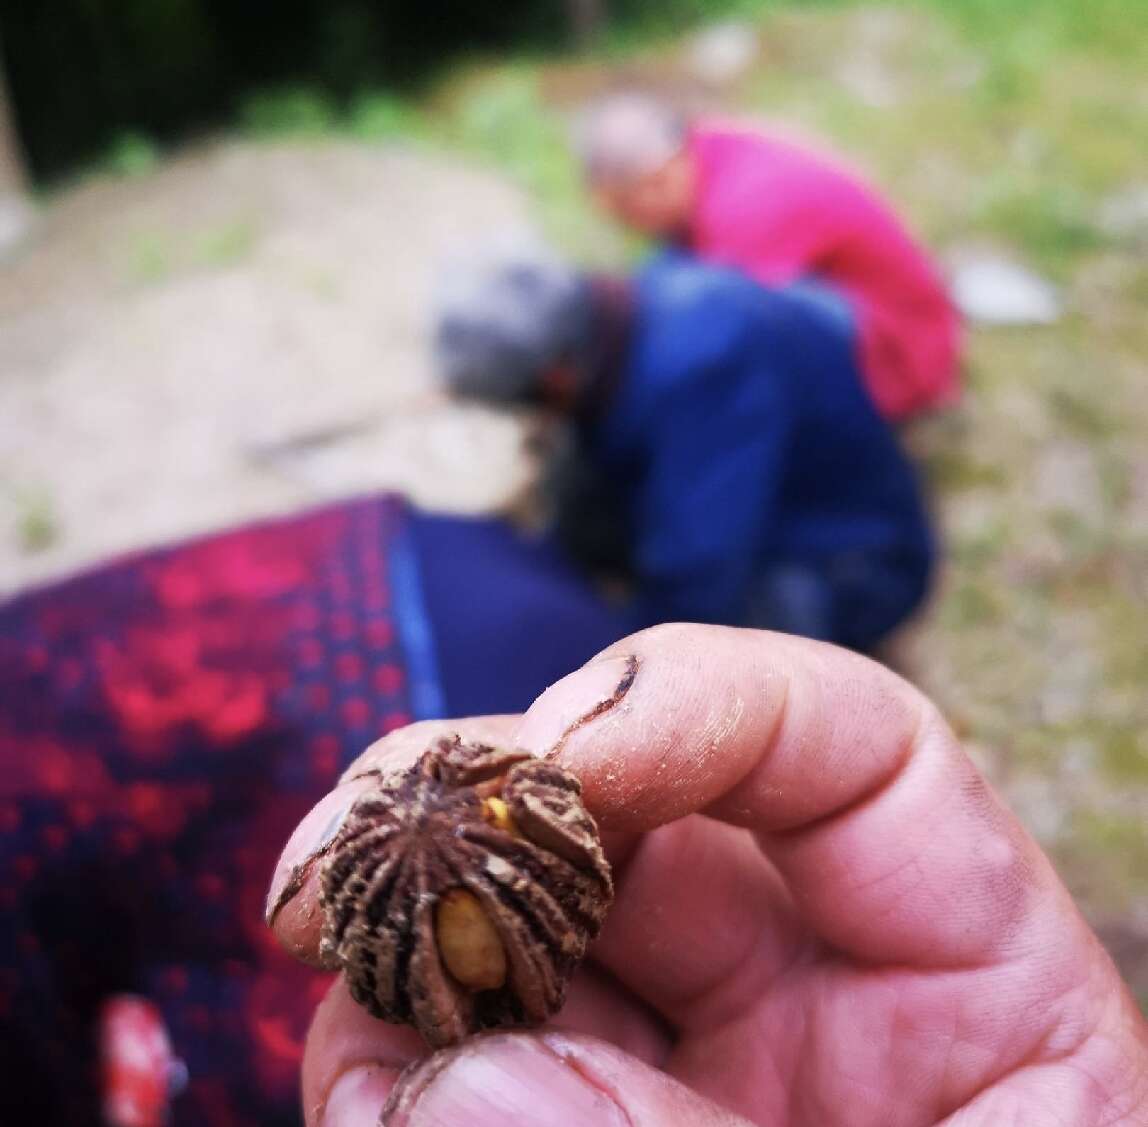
<point x="422" y="832"/>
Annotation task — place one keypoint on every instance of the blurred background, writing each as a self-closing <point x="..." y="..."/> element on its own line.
<point x="219" y="223"/>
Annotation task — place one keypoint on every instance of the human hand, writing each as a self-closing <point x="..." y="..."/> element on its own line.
<point x="824" y="916"/>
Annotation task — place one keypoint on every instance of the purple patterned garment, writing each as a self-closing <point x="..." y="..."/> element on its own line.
<point x="164" y="723"/>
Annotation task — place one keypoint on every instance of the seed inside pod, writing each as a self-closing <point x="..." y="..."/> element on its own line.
<point x="461" y="893"/>
<point x="494" y="810"/>
<point x="468" y="943"/>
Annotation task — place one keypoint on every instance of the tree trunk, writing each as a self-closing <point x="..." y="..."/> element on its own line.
<point x="15" y="208"/>
<point x="587" y="19"/>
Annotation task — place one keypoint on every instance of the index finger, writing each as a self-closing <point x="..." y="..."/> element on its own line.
<point x="893" y="847"/>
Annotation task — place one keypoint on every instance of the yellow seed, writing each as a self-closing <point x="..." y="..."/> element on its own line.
<point x="469" y="945"/>
<point x="497" y="813"/>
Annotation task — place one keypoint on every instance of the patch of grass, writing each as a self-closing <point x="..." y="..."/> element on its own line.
<point x="1123" y="624"/>
<point x="225" y="245"/>
<point x="976" y="552"/>
<point x="288" y="111"/>
<point x="953" y="469"/>
<point x="155" y="255"/>
<point x="1138" y="286"/>
<point x="500" y="117"/>
<point x="971" y="604"/>
<point x="151" y="257"/>
<point x="504" y="120"/>
<point x="1053" y="224"/>
<point x="37" y="526"/>
<point x="1117" y="847"/>
<point x="302" y="111"/>
<point x="1098" y="134"/>
<point x="1114" y="480"/>
<point x="1037" y="29"/>
<point x="1081" y="413"/>
<point x="131" y="154"/>
<point x="1031" y="121"/>
<point x="507" y="122"/>
<point x="1125" y="757"/>
<point x="1082" y="539"/>
<point x="376" y="115"/>
<point x="638" y="23"/>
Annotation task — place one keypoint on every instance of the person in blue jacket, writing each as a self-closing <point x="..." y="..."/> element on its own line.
<point x="757" y="484"/>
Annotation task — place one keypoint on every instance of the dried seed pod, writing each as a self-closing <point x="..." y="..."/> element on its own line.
<point x="461" y="893"/>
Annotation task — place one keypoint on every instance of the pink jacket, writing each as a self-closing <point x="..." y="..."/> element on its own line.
<point x="779" y="212"/>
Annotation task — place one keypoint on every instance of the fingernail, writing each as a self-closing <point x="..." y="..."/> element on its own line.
<point x="500" y="1081"/>
<point x="312" y="837"/>
<point x="357" y="1097"/>
<point x="583" y="696"/>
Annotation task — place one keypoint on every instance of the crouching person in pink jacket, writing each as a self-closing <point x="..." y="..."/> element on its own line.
<point x="782" y="214"/>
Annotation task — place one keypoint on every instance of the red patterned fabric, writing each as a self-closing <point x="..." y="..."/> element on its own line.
<point x="164" y="723"/>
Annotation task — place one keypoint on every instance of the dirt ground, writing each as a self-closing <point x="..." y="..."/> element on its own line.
<point x="241" y="333"/>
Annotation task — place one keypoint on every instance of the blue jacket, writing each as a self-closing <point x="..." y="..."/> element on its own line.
<point x="740" y="436"/>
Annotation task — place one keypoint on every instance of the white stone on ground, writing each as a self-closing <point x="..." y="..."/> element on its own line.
<point x="992" y="290"/>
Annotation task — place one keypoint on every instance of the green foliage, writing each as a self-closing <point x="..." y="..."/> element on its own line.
<point x="288" y="111"/>
<point x="1038" y="28"/>
<point x="305" y="112"/>
<point x="635" y="22"/>
<point x="377" y="115"/>
<point x="505" y="120"/>
<point x="131" y="154"/>
<point x="1038" y="128"/>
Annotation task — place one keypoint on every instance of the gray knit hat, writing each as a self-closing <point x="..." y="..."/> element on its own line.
<point x="504" y="316"/>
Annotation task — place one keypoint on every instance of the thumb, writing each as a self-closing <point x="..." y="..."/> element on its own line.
<point x="547" y="1079"/>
